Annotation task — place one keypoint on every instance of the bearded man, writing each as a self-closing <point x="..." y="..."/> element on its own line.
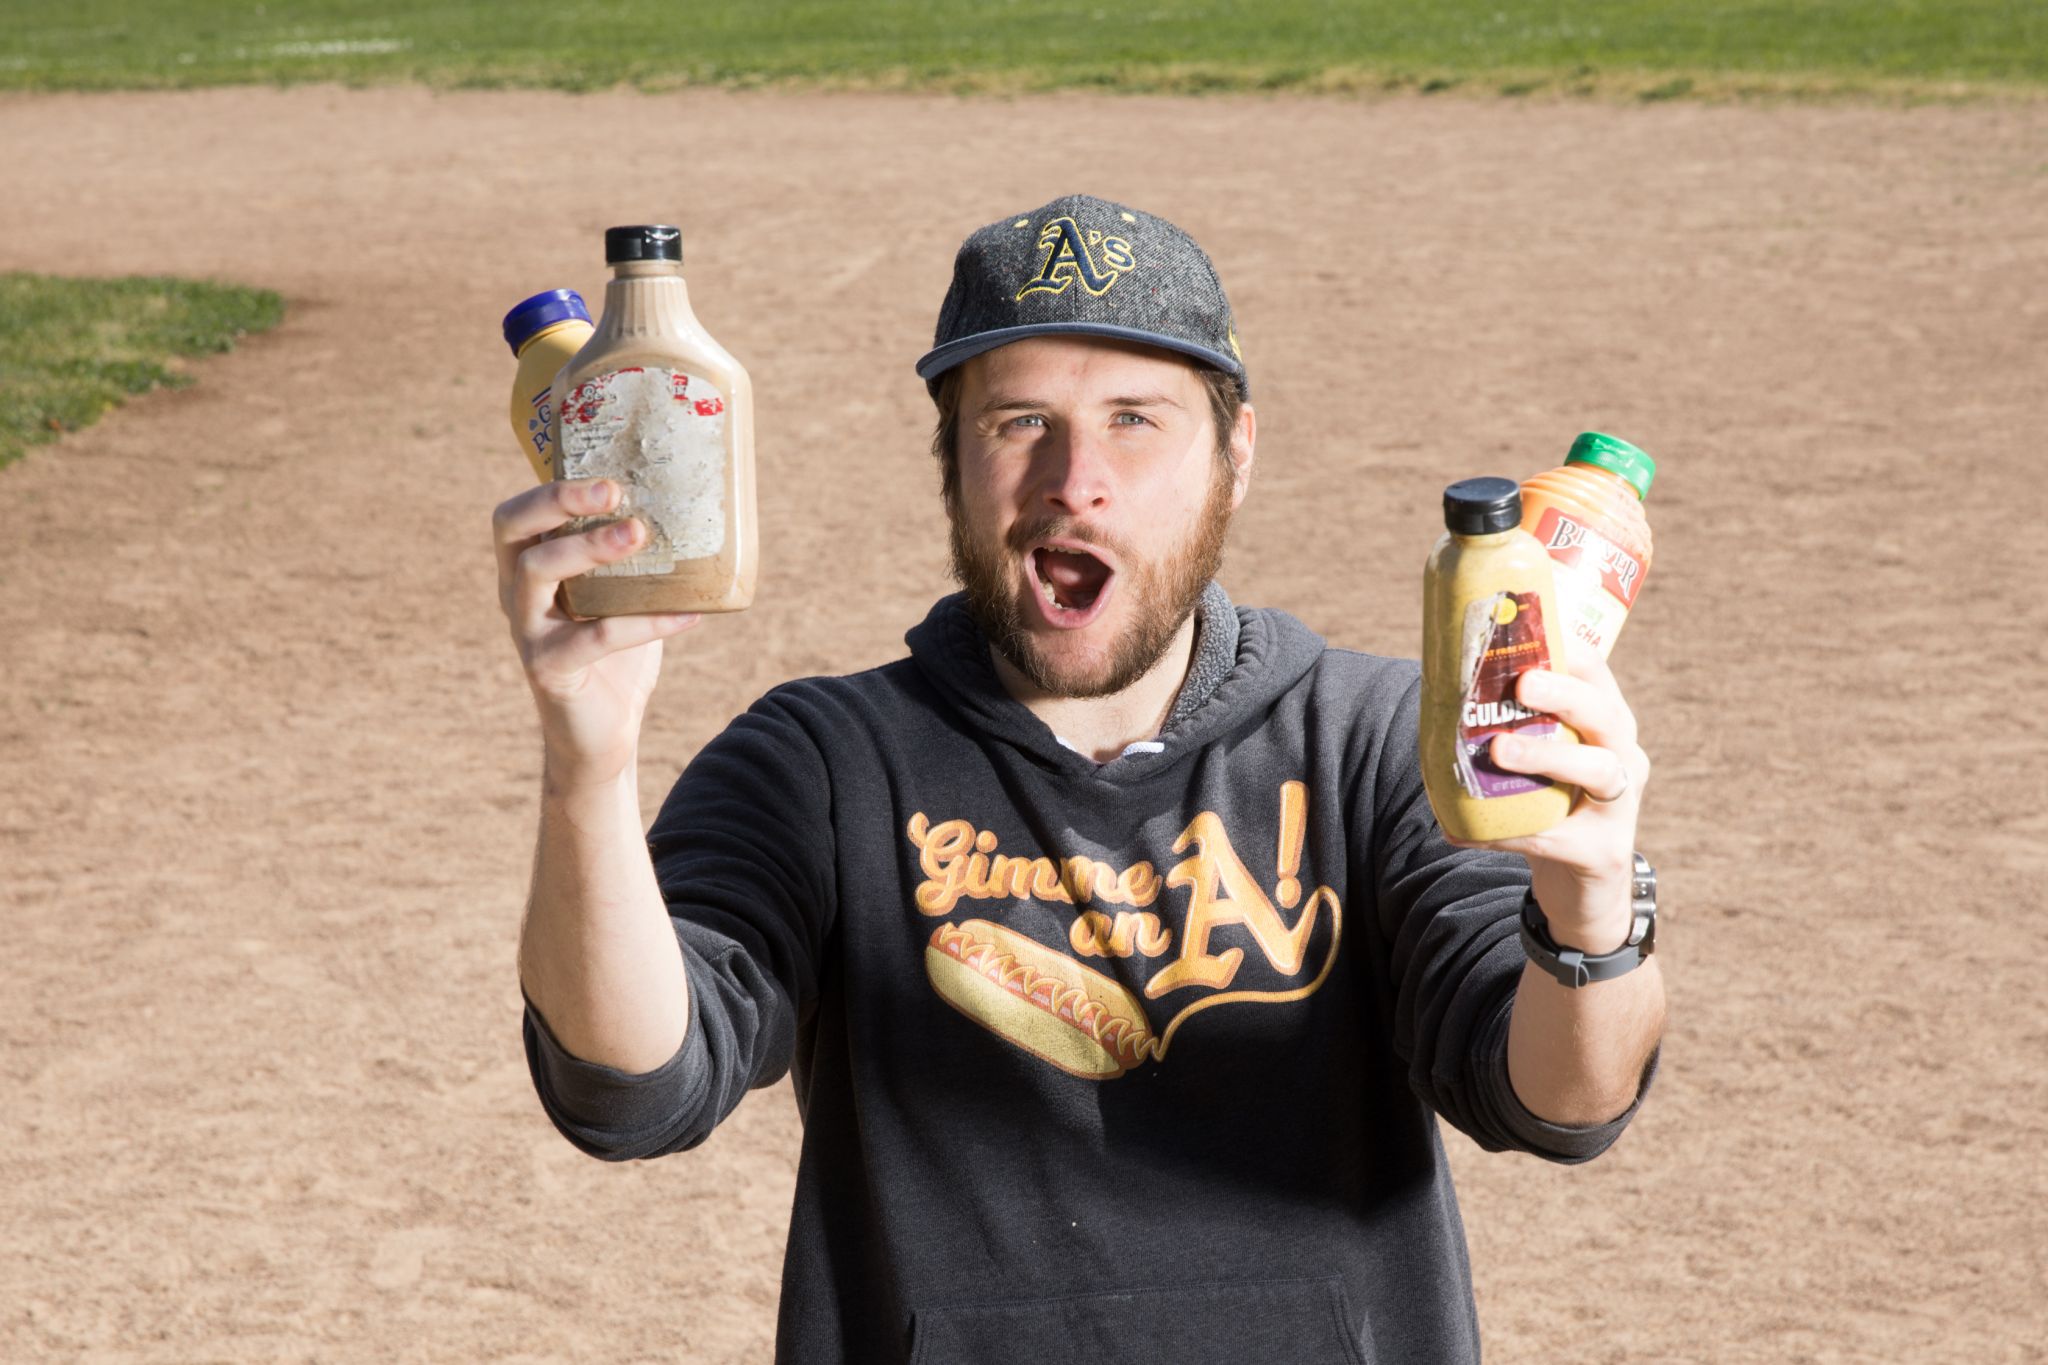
<point x="1120" y="965"/>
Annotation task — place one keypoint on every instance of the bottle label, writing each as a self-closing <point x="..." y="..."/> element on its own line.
<point x="1502" y="639"/>
<point x="660" y="435"/>
<point x="540" y="431"/>
<point x="1597" y="580"/>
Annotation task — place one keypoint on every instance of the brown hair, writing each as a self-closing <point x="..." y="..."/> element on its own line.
<point x="1224" y="401"/>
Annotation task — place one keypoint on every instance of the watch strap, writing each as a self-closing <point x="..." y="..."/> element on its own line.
<point x="1573" y="968"/>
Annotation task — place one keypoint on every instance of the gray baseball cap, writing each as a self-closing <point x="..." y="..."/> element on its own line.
<point x="1082" y="265"/>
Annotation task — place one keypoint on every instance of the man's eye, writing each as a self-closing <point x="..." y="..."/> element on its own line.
<point x="1133" y="419"/>
<point x="1029" y="419"/>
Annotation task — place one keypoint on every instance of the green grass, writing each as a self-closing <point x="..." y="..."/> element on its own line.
<point x="72" y="349"/>
<point x="1655" y="49"/>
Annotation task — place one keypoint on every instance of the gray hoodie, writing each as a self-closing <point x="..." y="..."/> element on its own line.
<point x="1137" y="1060"/>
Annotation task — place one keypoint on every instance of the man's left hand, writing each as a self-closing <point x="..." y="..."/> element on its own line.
<point x="1580" y="868"/>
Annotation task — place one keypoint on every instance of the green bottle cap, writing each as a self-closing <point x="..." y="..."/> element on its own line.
<point x="1616" y="456"/>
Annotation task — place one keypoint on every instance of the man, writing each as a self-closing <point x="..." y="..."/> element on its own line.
<point x="1116" y="955"/>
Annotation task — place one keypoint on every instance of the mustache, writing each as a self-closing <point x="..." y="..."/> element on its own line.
<point x="1021" y="536"/>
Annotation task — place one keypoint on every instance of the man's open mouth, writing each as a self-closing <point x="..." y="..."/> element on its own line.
<point x="1070" y="581"/>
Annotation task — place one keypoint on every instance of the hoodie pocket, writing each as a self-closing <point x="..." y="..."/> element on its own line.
<point x="1236" y="1322"/>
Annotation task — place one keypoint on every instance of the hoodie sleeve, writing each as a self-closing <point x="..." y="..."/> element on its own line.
<point x="1449" y="919"/>
<point x="743" y="854"/>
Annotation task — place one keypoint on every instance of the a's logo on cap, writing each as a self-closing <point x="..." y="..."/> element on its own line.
<point x="1070" y="255"/>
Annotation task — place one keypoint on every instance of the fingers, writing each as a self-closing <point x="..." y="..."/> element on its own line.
<point x="1609" y="764"/>
<point x="542" y="568"/>
<point x="1591" y="704"/>
<point x="544" y="507"/>
<point x="1579" y="866"/>
<point x="520" y="521"/>
<point x="608" y="635"/>
<point x="1603" y="775"/>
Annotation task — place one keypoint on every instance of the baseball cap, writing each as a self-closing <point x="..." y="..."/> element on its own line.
<point x="1089" y="267"/>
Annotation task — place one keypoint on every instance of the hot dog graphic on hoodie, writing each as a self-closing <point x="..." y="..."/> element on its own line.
<point x="1158" y="936"/>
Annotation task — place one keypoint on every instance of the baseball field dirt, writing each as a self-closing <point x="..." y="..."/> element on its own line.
<point x="268" y="768"/>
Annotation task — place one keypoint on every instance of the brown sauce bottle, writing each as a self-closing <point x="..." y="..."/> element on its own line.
<point x="653" y="403"/>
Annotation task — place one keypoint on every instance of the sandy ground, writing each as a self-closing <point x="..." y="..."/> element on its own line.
<point x="270" y="770"/>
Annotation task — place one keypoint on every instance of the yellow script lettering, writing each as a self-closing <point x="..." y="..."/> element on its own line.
<point x="1095" y="934"/>
<point x="961" y="862"/>
<point x="1222" y="892"/>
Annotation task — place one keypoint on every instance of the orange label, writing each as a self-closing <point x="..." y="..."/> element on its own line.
<point x="1578" y="546"/>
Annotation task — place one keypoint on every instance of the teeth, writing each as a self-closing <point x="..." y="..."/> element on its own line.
<point x="1044" y="584"/>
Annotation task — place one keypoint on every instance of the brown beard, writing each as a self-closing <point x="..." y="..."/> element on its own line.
<point x="1164" y="593"/>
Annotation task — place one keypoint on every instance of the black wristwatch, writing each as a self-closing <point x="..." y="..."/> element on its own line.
<point x="1573" y="968"/>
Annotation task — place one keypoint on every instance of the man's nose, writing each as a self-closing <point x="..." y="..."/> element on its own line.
<point x="1077" y="474"/>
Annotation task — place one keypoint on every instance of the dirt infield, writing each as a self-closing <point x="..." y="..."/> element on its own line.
<point x="270" y="771"/>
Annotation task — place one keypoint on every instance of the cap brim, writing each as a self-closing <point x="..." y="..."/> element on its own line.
<point x="940" y="359"/>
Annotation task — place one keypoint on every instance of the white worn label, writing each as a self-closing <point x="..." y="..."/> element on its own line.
<point x="660" y="434"/>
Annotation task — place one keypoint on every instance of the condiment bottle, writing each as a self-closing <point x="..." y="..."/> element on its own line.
<point x="1489" y="615"/>
<point x="1588" y="513"/>
<point x="543" y="332"/>
<point x="653" y="403"/>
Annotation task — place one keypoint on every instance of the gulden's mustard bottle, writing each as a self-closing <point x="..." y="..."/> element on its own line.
<point x="653" y="403"/>
<point x="543" y="332"/>
<point x="1489" y="615"/>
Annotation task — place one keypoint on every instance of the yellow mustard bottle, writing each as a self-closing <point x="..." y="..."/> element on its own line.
<point x="655" y="404"/>
<point x="1489" y="615"/>
<point x="543" y="332"/>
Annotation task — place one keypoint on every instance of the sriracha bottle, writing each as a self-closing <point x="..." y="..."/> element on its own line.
<point x="1588" y="514"/>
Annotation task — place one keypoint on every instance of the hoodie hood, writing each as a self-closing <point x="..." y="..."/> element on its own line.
<point x="1245" y="658"/>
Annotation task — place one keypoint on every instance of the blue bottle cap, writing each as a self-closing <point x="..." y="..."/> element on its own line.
<point x="530" y="317"/>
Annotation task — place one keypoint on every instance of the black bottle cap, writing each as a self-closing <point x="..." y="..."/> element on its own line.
<point x="647" y="242"/>
<point x="1478" y="507"/>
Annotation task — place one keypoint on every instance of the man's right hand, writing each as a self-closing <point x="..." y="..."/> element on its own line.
<point x="597" y="954"/>
<point x="590" y="678"/>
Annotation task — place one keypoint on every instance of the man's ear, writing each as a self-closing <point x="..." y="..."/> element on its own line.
<point x="1243" y="437"/>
